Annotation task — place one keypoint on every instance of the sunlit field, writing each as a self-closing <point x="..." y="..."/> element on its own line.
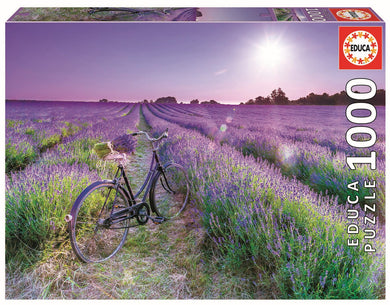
<point x="270" y="184"/>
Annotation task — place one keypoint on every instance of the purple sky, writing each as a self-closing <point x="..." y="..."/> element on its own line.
<point x="131" y="62"/>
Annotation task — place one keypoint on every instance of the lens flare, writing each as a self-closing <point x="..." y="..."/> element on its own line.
<point x="287" y="155"/>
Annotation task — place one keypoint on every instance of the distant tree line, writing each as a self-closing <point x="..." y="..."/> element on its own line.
<point x="172" y="100"/>
<point x="204" y="102"/>
<point x="104" y="100"/>
<point x="278" y="97"/>
<point x="340" y="98"/>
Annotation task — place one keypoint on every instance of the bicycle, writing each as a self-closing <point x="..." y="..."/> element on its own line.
<point x="101" y="216"/>
<point x="153" y="14"/>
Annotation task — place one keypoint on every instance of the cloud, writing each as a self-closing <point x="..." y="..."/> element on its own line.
<point x="220" y="72"/>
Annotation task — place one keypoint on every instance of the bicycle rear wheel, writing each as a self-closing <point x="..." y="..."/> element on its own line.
<point x="93" y="237"/>
<point x="170" y="191"/>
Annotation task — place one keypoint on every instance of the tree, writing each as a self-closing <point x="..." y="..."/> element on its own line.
<point x="260" y="100"/>
<point x="196" y="101"/>
<point x="166" y="100"/>
<point x="210" y="102"/>
<point x="278" y="97"/>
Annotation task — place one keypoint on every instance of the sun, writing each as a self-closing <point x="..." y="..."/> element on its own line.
<point x="271" y="54"/>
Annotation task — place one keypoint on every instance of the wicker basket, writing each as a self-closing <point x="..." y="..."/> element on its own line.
<point x="117" y="149"/>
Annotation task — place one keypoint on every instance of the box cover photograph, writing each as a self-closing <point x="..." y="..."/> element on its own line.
<point x="195" y="153"/>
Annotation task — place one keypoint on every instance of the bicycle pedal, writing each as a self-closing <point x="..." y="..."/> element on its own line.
<point x="158" y="220"/>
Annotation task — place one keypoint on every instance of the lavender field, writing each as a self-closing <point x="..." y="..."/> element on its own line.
<point x="270" y="184"/>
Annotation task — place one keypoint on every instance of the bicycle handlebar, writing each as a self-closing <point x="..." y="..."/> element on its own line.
<point x="163" y="135"/>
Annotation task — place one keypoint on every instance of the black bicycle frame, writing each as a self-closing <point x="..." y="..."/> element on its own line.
<point x="155" y="166"/>
<point x="132" y="211"/>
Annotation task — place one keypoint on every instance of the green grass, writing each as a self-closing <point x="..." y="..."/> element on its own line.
<point x="17" y="157"/>
<point x="76" y="152"/>
<point x="49" y="142"/>
<point x="46" y="142"/>
<point x="52" y="14"/>
<point x="35" y="218"/>
<point x="13" y="123"/>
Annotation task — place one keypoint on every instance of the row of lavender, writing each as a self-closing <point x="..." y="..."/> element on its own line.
<point x="325" y="125"/>
<point x="39" y="195"/>
<point x="305" y="142"/>
<point x="289" y="239"/>
<point x="34" y="127"/>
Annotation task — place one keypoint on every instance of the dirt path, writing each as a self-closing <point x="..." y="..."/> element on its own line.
<point x="158" y="261"/>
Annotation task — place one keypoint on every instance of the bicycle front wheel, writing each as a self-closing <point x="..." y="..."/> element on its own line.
<point x="170" y="191"/>
<point x="94" y="237"/>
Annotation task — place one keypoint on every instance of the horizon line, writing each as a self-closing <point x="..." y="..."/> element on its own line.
<point x="141" y="102"/>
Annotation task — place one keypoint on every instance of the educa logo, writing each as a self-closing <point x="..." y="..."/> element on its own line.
<point x="353" y="14"/>
<point x="360" y="48"/>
